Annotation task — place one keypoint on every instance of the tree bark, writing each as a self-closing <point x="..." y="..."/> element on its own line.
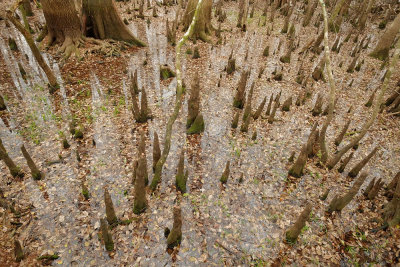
<point x="202" y="25"/>
<point x="103" y="21"/>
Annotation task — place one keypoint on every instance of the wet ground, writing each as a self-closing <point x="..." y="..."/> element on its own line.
<point x="223" y="225"/>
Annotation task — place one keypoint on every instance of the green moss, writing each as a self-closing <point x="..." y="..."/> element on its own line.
<point x="139" y="207"/>
<point x="65" y="143"/>
<point x="49" y="257"/>
<point x="196" y="53"/>
<point x="166" y="73"/>
<point x="238" y="104"/>
<point x="36" y="175"/>
<point x="197" y="126"/>
<point x="180" y="181"/>
<point x="16" y="172"/>
<point x="85" y="192"/>
<point x="235" y="121"/>
<point x="266" y="51"/>
<point x="285" y="59"/>
<point x="78" y="133"/>
<point x="12" y="44"/>
<point x="381" y="54"/>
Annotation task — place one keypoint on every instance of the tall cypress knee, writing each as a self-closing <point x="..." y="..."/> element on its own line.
<point x="259" y="109"/>
<point x="175" y="236"/>
<point x="36" y="174"/>
<point x="339" y="138"/>
<point x="345" y="162"/>
<point x="239" y="98"/>
<point x="156" y="150"/>
<point x="140" y="202"/>
<point x="294" y="231"/>
<point x="225" y="174"/>
<point x="107" y="237"/>
<point x="339" y="202"/>
<point x="297" y="169"/>
<point x="110" y="212"/>
<point x="356" y="169"/>
<point x="14" y="170"/>
<point x="142" y="156"/>
<point x="181" y="178"/>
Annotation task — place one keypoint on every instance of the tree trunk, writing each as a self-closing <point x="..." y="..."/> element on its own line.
<point x="102" y="21"/>
<point x="63" y="24"/>
<point x="381" y="50"/>
<point x="27" y="6"/>
<point x="364" y="16"/>
<point x="202" y="24"/>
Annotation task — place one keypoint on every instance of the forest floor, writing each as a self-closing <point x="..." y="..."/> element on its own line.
<point x="235" y="224"/>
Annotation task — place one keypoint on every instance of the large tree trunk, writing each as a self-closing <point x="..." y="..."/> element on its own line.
<point x="202" y="26"/>
<point x="63" y="24"/>
<point x="381" y="50"/>
<point x="101" y="20"/>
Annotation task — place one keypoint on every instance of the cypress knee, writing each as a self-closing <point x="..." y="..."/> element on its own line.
<point x="107" y="237"/>
<point x="225" y="174"/>
<point x="259" y="109"/>
<point x="375" y="189"/>
<point x="297" y="169"/>
<point x="14" y="170"/>
<point x="294" y="231"/>
<point x="175" y="236"/>
<point x="345" y="162"/>
<point x="2" y="103"/>
<point x="318" y="105"/>
<point x="235" y="121"/>
<point x="156" y="150"/>
<point x="269" y="105"/>
<point x="110" y="212"/>
<point x="339" y="138"/>
<point x="140" y="202"/>
<point x="142" y="156"/>
<point x="239" y="98"/>
<point x="36" y="174"/>
<point x="194" y="101"/>
<point x="18" y="251"/>
<point x="286" y="105"/>
<point x="356" y="169"/>
<point x="339" y="202"/>
<point x="197" y="126"/>
<point x="181" y="178"/>
<point x="271" y="117"/>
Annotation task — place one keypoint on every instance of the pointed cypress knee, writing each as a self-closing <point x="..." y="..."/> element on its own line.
<point x="36" y="174"/>
<point x="231" y="66"/>
<point x="225" y="174"/>
<point x="318" y="105"/>
<point x="271" y="117"/>
<point x="110" y="212"/>
<point x="268" y="111"/>
<point x="391" y="187"/>
<point x="107" y="237"/>
<point x="156" y="150"/>
<point x="175" y="236"/>
<point x="356" y="169"/>
<point x="325" y="195"/>
<point x="2" y="103"/>
<point x="375" y="189"/>
<point x="194" y="101"/>
<point x="286" y="105"/>
<point x="297" y="169"/>
<point x="144" y="113"/>
<point x="391" y="212"/>
<point x="14" y="170"/>
<point x="312" y="138"/>
<point x="247" y="109"/>
<point x="369" y="187"/>
<point x="140" y="202"/>
<point x="371" y="99"/>
<point x="235" y="121"/>
<point x="339" y="138"/>
<point x="134" y="88"/>
<point x="245" y="125"/>
<point x="294" y="231"/>
<point x="142" y="156"/>
<point x="18" y="251"/>
<point x="181" y="177"/>
<point x="85" y="191"/>
<point x="345" y="162"/>
<point x="239" y="98"/>
<point x="260" y="108"/>
<point x="339" y="202"/>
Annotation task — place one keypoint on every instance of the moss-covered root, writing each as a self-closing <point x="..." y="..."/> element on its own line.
<point x="339" y="202"/>
<point x="297" y="169"/>
<point x="239" y="98"/>
<point x="156" y="150"/>
<point x="194" y="101"/>
<point x="235" y="121"/>
<point x="197" y="126"/>
<point x="2" y="103"/>
<point x="260" y="108"/>
<point x="140" y="202"/>
<point x="14" y="170"/>
<point x="107" y="237"/>
<point x="110" y="212"/>
<point x="36" y="174"/>
<point x="345" y="162"/>
<point x="166" y="72"/>
<point x="18" y="251"/>
<point x="175" y="236"/>
<point x="339" y="138"/>
<point x="356" y="169"/>
<point x="318" y="105"/>
<point x="286" y="105"/>
<point x="181" y="177"/>
<point x="294" y="231"/>
<point x="85" y="191"/>
<point x="225" y="174"/>
<point x="268" y="111"/>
